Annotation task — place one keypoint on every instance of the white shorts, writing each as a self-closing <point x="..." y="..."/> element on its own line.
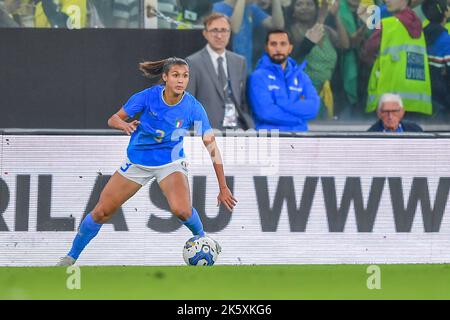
<point x="143" y="174"/>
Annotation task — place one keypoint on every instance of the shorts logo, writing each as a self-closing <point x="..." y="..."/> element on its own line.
<point x="127" y="166"/>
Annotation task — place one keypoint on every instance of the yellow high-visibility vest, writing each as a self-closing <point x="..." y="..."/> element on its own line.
<point x="75" y="9"/>
<point x="401" y="67"/>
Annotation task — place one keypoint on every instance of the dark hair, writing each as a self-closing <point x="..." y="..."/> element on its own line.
<point x="214" y="16"/>
<point x="153" y="69"/>
<point x="434" y="10"/>
<point x="274" y="31"/>
<point x="291" y="10"/>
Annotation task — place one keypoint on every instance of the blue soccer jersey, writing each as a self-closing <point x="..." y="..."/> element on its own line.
<point x="158" y="139"/>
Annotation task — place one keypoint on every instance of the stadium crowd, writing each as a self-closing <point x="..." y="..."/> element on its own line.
<point x="326" y="59"/>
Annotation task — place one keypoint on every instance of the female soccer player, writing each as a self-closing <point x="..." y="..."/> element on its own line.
<point x="155" y="151"/>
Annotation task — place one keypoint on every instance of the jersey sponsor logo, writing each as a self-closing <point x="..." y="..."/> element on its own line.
<point x="271" y="77"/>
<point x="273" y="87"/>
<point x="300" y="89"/>
<point x="415" y="66"/>
<point x="127" y="166"/>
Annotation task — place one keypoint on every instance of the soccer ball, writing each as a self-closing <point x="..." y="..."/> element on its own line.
<point x="200" y="251"/>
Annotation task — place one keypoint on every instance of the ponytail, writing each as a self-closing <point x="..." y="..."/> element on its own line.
<point x="154" y="69"/>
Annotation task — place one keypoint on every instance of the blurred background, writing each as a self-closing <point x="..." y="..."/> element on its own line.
<point x="70" y="64"/>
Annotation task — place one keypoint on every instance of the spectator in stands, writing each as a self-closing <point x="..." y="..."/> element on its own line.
<point x="70" y="14"/>
<point x="390" y="111"/>
<point x="8" y="18"/>
<point x="415" y="5"/>
<point x="245" y="17"/>
<point x="398" y="53"/>
<point x="353" y="76"/>
<point x="218" y="77"/>
<point x="320" y="51"/>
<point x="280" y="93"/>
<point x="438" y="48"/>
<point x="447" y="21"/>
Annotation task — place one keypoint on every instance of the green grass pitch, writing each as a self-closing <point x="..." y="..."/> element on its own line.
<point x="399" y="281"/>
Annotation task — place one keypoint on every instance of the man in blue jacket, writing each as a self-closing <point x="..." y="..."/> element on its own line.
<point x="281" y="95"/>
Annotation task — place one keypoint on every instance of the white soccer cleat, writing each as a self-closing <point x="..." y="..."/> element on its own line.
<point x="66" y="261"/>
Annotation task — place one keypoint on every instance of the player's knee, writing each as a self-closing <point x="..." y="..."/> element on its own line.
<point x="102" y="213"/>
<point x="183" y="213"/>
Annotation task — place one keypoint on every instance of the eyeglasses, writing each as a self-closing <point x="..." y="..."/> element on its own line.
<point x="219" y="31"/>
<point x="395" y="111"/>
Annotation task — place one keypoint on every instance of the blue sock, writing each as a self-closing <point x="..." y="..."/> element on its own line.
<point x="88" y="230"/>
<point x="194" y="224"/>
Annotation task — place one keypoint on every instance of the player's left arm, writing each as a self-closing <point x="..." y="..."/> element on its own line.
<point x="225" y="196"/>
<point x="203" y="127"/>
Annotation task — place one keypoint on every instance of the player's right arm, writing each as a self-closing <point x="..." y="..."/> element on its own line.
<point x="133" y="106"/>
<point x="118" y="121"/>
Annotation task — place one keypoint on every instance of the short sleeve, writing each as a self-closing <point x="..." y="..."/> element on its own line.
<point x="259" y="15"/>
<point x="200" y="120"/>
<point x="135" y="104"/>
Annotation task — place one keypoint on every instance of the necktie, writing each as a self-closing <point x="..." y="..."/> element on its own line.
<point x="230" y="116"/>
<point x="221" y="73"/>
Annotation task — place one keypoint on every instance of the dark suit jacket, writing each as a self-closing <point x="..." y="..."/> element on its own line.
<point x="408" y="126"/>
<point x="204" y="85"/>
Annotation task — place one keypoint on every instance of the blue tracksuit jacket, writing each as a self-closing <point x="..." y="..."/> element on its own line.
<point x="282" y="99"/>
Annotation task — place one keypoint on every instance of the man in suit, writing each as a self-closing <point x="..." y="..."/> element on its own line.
<point x="218" y="77"/>
<point x="390" y="111"/>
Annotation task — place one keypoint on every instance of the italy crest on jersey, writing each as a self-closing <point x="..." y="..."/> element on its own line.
<point x="179" y="123"/>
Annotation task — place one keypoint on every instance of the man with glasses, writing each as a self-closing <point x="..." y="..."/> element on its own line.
<point x="390" y="111"/>
<point x="218" y="77"/>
